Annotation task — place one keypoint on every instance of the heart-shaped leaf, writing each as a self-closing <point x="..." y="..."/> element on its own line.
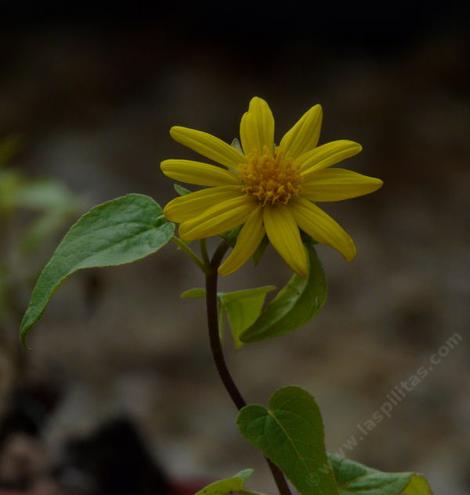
<point x="235" y="484"/>
<point x="120" y="231"/>
<point x="294" y="305"/>
<point x="353" y="478"/>
<point x="290" y="433"/>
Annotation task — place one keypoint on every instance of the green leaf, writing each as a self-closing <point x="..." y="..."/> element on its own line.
<point x="354" y="478"/>
<point x="242" y="308"/>
<point x="294" y="306"/>
<point x="228" y="485"/>
<point x="290" y="433"/>
<point x="120" y="231"/>
<point x="230" y="237"/>
<point x="181" y="190"/>
<point x="236" y="144"/>
<point x="195" y="293"/>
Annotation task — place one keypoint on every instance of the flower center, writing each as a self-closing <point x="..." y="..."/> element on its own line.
<point x="271" y="179"/>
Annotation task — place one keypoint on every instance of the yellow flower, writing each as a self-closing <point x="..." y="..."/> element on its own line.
<point x="269" y="189"/>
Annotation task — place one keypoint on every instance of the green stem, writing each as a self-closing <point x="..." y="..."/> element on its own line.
<point x="218" y="353"/>
<point x="186" y="249"/>
<point x="205" y="256"/>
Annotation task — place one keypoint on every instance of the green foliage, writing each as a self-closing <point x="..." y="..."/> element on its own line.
<point x="195" y="293"/>
<point x="294" y="306"/>
<point x="120" y="231"/>
<point x="44" y="205"/>
<point x="354" y="478"/>
<point x="236" y="144"/>
<point x="230" y="237"/>
<point x="290" y="433"/>
<point x="242" y="308"/>
<point x="235" y="484"/>
<point x="52" y="202"/>
<point x="181" y="190"/>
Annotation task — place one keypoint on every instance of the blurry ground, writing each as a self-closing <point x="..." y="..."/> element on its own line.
<point x="94" y="107"/>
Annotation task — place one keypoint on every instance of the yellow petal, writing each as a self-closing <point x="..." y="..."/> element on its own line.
<point x="248" y="240"/>
<point x="218" y="219"/>
<point x="321" y="227"/>
<point x="198" y="173"/>
<point x="284" y="235"/>
<point x="304" y="135"/>
<point x="336" y="184"/>
<point x="191" y="205"/>
<point x="257" y="127"/>
<point x="327" y="155"/>
<point x="207" y="145"/>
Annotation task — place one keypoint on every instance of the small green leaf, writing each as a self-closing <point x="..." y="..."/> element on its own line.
<point x="236" y="144"/>
<point x="243" y="308"/>
<point x="230" y="237"/>
<point x="354" y="478"/>
<point x="290" y="433"/>
<point x="120" y="231"/>
<point x="181" y="190"/>
<point x="228" y="485"/>
<point x="195" y="293"/>
<point x="294" y="306"/>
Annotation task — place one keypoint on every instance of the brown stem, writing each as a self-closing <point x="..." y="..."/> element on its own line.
<point x="218" y="353"/>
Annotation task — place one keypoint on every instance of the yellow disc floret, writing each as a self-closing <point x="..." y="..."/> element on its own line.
<point x="270" y="178"/>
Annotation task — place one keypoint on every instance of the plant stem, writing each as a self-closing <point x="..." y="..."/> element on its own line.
<point x="186" y="249"/>
<point x="218" y="353"/>
<point x="204" y="254"/>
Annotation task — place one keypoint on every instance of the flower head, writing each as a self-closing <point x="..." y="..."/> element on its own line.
<point x="267" y="189"/>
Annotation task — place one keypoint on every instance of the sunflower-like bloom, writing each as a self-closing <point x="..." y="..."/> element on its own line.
<point x="266" y="188"/>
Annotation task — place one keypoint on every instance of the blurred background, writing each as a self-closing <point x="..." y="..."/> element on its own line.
<point x="120" y="364"/>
